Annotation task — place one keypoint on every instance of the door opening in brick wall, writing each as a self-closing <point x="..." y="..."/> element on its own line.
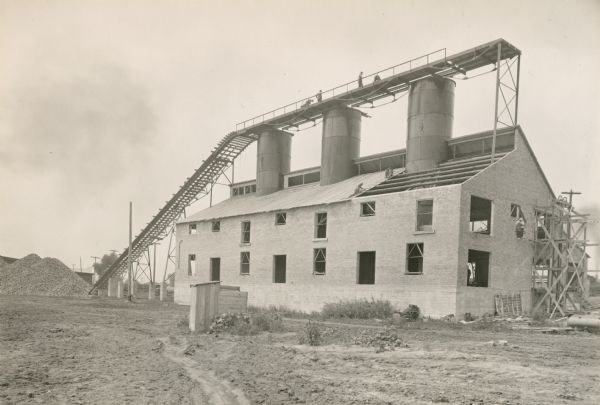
<point x="366" y="268"/>
<point x="478" y="265"/>
<point x="215" y="269"/>
<point x="279" y="268"/>
<point x="191" y="265"/>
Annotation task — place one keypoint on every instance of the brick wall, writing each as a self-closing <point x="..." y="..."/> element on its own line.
<point x="348" y="233"/>
<point x="513" y="179"/>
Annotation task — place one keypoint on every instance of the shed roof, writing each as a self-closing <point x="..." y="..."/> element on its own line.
<point x="288" y="198"/>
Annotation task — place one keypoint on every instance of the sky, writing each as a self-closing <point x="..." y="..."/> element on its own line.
<point x="106" y="102"/>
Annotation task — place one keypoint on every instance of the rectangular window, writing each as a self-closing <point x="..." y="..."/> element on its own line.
<point x="366" y="267"/>
<point x="321" y="225"/>
<point x="414" y="258"/>
<point x="478" y="264"/>
<point x="319" y="261"/>
<point x="246" y="232"/>
<point x="191" y="265"/>
<point x="367" y="209"/>
<point x="215" y="269"/>
<point x="481" y="215"/>
<point x="245" y="263"/>
<point x="425" y="215"/>
<point x="192" y="229"/>
<point x="279" y="268"/>
<point x="216" y="226"/>
<point x="280" y="218"/>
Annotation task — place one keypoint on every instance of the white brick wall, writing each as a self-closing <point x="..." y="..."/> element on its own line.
<point x="440" y="290"/>
<point x="348" y="233"/>
<point x="514" y="179"/>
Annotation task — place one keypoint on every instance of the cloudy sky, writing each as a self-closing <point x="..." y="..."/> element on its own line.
<point x="103" y="102"/>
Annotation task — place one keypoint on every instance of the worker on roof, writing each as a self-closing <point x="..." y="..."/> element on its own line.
<point x="319" y="96"/>
<point x="376" y="79"/>
<point x="360" y="82"/>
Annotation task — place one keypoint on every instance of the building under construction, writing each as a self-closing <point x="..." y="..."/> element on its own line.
<point x="449" y="223"/>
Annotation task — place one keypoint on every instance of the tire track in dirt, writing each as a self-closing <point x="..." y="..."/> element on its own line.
<point x="220" y="392"/>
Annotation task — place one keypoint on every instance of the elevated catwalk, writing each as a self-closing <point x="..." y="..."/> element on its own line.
<point x="385" y="84"/>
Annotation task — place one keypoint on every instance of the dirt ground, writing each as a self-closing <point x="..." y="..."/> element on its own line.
<point x="101" y="350"/>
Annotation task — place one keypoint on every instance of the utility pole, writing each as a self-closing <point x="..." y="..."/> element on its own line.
<point x="80" y="265"/>
<point x="129" y="263"/>
<point x="571" y="193"/>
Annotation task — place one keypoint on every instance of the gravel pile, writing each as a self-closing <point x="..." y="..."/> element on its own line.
<point x="33" y="275"/>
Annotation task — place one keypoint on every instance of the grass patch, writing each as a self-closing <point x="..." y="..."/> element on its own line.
<point x="282" y="311"/>
<point x="358" y="309"/>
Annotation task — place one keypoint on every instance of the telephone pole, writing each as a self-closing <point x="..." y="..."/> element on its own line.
<point x="129" y="264"/>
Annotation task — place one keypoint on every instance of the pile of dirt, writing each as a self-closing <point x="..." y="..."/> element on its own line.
<point x="382" y="341"/>
<point x="33" y="275"/>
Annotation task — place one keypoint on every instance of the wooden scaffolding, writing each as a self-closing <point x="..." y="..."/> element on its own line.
<point x="560" y="263"/>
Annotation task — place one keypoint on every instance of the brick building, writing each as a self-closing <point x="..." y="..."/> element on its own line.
<point x="439" y="224"/>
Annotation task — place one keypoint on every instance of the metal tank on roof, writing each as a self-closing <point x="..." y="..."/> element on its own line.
<point x="273" y="157"/>
<point x="340" y="144"/>
<point x="430" y="118"/>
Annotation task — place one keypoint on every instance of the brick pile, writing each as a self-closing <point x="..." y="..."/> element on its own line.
<point x="33" y="275"/>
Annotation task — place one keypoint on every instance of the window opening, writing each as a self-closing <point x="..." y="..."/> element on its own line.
<point x="414" y="258"/>
<point x="517" y="214"/>
<point x="320" y="260"/>
<point x="280" y="218"/>
<point x="478" y="268"/>
<point x="191" y="265"/>
<point x="193" y="229"/>
<point x="216" y="226"/>
<point x="246" y="232"/>
<point x="215" y="269"/>
<point x="366" y="267"/>
<point x="425" y="215"/>
<point x="321" y="225"/>
<point x="279" y="268"/>
<point x="481" y="215"/>
<point x="367" y="209"/>
<point x="245" y="263"/>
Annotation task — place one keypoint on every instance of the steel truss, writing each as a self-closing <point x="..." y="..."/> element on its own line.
<point x="385" y="84"/>
<point x="560" y="259"/>
<point x="506" y="105"/>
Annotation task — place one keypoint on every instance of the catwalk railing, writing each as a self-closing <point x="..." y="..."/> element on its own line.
<point x="386" y="83"/>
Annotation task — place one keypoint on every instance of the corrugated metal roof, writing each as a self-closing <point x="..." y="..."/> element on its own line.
<point x="288" y="198"/>
<point x="456" y="171"/>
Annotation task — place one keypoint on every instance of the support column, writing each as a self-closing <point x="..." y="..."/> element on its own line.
<point x="120" y="288"/>
<point x="112" y="287"/>
<point x="151" y="291"/>
<point x="163" y="291"/>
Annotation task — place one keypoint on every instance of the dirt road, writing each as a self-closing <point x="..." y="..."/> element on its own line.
<point x="57" y="350"/>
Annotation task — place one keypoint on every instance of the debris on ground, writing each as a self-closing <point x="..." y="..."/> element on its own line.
<point x="383" y="341"/>
<point x="33" y="275"/>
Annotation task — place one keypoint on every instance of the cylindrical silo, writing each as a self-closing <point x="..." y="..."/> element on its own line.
<point x="273" y="156"/>
<point x="430" y="117"/>
<point x="340" y="144"/>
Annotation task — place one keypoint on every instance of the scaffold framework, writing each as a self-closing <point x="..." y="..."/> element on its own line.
<point x="560" y="265"/>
